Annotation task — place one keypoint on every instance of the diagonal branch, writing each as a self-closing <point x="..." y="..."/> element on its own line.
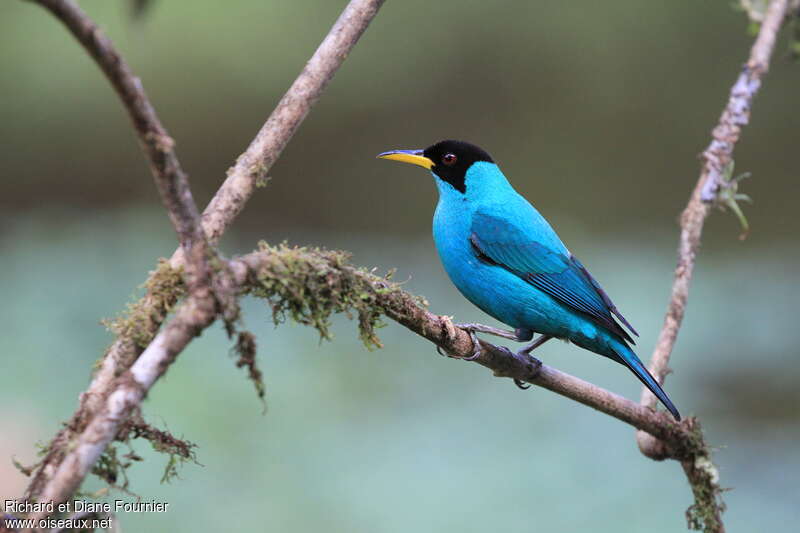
<point x="129" y="390"/>
<point x="228" y="202"/>
<point x="269" y="272"/>
<point x="702" y="475"/>
<point x="274" y="135"/>
<point x="158" y="146"/>
<point x="716" y="158"/>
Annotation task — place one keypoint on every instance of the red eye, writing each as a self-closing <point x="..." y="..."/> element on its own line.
<point x="449" y="159"/>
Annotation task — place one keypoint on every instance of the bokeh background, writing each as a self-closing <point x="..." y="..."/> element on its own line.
<point x="596" y="111"/>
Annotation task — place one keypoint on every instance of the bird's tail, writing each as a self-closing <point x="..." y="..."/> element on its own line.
<point x="629" y="359"/>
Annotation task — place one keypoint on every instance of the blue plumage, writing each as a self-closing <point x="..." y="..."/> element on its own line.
<point x="506" y="259"/>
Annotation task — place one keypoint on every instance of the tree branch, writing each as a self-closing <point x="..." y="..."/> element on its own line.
<point x="279" y="128"/>
<point x="311" y="285"/>
<point x="716" y="158"/>
<point x="228" y="202"/>
<point x="158" y="146"/>
<point x="195" y="314"/>
<point x="281" y="267"/>
<point x="713" y="181"/>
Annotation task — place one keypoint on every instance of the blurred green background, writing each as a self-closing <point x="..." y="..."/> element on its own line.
<point x="596" y="111"/>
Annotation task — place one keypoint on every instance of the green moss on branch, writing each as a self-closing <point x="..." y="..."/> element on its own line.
<point x="310" y="285"/>
<point x="141" y="320"/>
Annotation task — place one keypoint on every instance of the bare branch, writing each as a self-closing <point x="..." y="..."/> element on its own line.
<point x="158" y="146"/>
<point x="716" y="159"/>
<point x="707" y="511"/>
<point x="264" y="150"/>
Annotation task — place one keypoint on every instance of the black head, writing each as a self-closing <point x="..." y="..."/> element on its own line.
<point x="452" y="159"/>
<point x="449" y="160"/>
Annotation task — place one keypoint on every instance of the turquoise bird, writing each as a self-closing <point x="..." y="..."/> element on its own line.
<point x="506" y="259"/>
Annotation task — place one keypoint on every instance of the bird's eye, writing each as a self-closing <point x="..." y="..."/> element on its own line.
<point x="449" y="159"/>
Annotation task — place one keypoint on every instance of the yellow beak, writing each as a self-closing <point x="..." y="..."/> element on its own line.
<point x="414" y="157"/>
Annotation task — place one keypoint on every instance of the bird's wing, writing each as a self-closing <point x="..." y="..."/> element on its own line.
<point x="553" y="271"/>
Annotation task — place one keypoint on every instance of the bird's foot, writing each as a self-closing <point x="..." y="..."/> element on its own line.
<point x="497" y="332"/>
<point x="476" y="346"/>
<point x="518" y="382"/>
<point x="519" y="334"/>
<point x="525" y="353"/>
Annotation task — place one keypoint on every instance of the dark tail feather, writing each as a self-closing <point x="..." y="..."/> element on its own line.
<point x="629" y="359"/>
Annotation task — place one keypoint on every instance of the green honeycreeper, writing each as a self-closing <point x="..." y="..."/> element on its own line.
<point x="506" y="259"/>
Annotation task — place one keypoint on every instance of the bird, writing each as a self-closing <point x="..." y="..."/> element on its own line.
<point x="505" y="258"/>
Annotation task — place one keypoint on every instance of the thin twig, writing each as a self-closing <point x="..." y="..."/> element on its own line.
<point x="253" y="165"/>
<point x="701" y="473"/>
<point x="158" y="146"/>
<point x="240" y="184"/>
<point x="716" y="158"/>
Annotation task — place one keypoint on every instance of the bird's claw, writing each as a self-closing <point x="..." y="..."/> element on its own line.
<point x="476" y="345"/>
<point x="518" y="334"/>
<point x="524" y="354"/>
<point x="521" y="384"/>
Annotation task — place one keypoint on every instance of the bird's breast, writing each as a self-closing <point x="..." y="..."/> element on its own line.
<point x="492" y="288"/>
<point x="488" y="287"/>
<point x="451" y="235"/>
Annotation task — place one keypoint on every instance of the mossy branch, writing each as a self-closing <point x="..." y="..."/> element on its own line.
<point x="242" y="180"/>
<point x="309" y="286"/>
